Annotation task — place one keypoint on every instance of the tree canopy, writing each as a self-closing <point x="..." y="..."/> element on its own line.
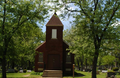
<point x="16" y="15"/>
<point x="95" y="18"/>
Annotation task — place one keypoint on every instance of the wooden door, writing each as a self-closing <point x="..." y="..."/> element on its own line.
<point x="54" y="62"/>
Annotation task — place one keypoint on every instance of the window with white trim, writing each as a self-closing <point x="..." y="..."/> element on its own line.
<point x="54" y="33"/>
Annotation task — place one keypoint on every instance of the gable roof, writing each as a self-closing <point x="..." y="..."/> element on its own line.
<point x="65" y="43"/>
<point x="54" y="21"/>
<point x="41" y="48"/>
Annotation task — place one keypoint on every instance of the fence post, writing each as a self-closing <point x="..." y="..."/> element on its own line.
<point x="73" y="69"/>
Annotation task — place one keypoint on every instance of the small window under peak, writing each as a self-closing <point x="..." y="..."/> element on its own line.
<point x="54" y="33"/>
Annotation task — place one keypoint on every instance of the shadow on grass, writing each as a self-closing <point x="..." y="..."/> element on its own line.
<point x="37" y="73"/>
<point x="76" y="75"/>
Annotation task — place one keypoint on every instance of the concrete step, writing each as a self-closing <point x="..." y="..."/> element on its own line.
<point x="52" y="73"/>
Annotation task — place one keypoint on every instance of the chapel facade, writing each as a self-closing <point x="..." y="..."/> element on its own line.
<point x="52" y="54"/>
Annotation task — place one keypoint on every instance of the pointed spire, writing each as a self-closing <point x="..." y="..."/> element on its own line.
<point x="54" y="21"/>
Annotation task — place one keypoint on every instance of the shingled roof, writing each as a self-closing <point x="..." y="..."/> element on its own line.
<point x="54" y="21"/>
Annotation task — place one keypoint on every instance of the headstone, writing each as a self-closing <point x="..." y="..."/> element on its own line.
<point x="84" y="70"/>
<point x="28" y="70"/>
<point x="104" y="71"/>
<point x="21" y="71"/>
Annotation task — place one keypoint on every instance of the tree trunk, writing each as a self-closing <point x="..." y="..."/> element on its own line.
<point x="115" y="62"/>
<point x="4" y="48"/>
<point x="13" y="64"/>
<point x="4" y="67"/>
<point x="82" y="60"/>
<point x="86" y="64"/>
<point x="22" y="63"/>
<point x="78" y="64"/>
<point x="8" y="65"/>
<point x="95" y="63"/>
<point x="99" y="62"/>
<point x="81" y="65"/>
<point x="30" y="67"/>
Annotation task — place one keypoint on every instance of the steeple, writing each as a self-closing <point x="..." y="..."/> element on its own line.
<point x="54" y="21"/>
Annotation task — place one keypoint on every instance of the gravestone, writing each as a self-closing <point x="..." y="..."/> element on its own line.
<point x="21" y="71"/>
<point x="104" y="71"/>
<point x="28" y="70"/>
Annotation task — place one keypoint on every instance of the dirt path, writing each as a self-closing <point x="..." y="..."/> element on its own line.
<point x="26" y="75"/>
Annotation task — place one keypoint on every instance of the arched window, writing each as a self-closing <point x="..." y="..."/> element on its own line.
<point x="40" y="57"/>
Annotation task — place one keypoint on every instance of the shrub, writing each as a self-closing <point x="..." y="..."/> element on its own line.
<point x="16" y="70"/>
<point x="111" y="74"/>
<point x="100" y="68"/>
<point x="111" y="71"/>
<point x="33" y="67"/>
<point x="24" y="70"/>
<point x="41" y="73"/>
<point x="115" y="69"/>
<point x="97" y="72"/>
<point x="104" y="68"/>
<point x="37" y="73"/>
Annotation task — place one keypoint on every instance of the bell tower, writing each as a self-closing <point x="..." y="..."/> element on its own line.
<point x="54" y="43"/>
<point x="54" y="28"/>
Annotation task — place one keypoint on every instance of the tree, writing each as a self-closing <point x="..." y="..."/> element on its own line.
<point x="13" y="14"/>
<point x="22" y="45"/>
<point x="108" y="60"/>
<point x="113" y="43"/>
<point x="80" y="46"/>
<point x="95" y="17"/>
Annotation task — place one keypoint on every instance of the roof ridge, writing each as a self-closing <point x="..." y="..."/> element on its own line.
<point x="54" y="21"/>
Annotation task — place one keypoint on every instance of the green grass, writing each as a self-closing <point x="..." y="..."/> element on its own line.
<point x="14" y="74"/>
<point x="33" y="74"/>
<point x="22" y="75"/>
<point x="88" y="75"/>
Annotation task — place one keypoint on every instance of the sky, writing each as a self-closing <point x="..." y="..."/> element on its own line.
<point x="65" y="21"/>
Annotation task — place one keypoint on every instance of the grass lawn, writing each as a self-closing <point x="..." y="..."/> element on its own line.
<point x="35" y="75"/>
<point x="22" y="75"/>
<point x="88" y="75"/>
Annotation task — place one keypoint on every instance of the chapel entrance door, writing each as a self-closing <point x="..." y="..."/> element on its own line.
<point x="54" y="62"/>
